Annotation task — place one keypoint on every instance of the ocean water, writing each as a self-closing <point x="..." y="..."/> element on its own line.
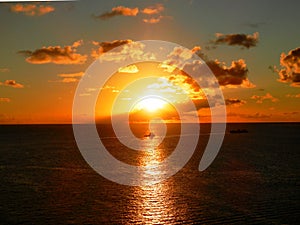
<point x="255" y="179"/>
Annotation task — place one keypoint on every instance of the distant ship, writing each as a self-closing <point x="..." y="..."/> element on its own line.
<point x="238" y="131"/>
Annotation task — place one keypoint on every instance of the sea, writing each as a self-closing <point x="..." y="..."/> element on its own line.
<point x="255" y="178"/>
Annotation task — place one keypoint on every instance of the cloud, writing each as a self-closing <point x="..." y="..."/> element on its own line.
<point x="260" y="99"/>
<point x="291" y="113"/>
<point x="107" y="46"/>
<point x="12" y="83"/>
<point x="32" y="9"/>
<point x="128" y="49"/>
<point x="4" y="70"/>
<point x="56" y="55"/>
<point x="256" y="116"/>
<point x="129" y="69"/>
<point x="290" y="68"/>
<point x="232" y="76"/>
<point x="203" y="104"/>
<point x="236" y="75"/>
<point x="151" y="10"/>
<point x="118" y="11"/>
<point x="153" y="20"/>
<point x="4" y="100"/>
<point x="235" y="102"/>
<point x="125" y="11"/>
<point x="69" y="77"/>
<point x="292" y="96"/>
<point x="69" y="80"/>
<point x="243" y="40"/>
<point x="187" y="86"/>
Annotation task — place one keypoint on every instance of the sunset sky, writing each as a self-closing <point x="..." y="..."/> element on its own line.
<point x="252" y="47"/>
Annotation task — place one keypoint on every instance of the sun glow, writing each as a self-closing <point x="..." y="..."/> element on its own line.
<point x="151" y="104"/>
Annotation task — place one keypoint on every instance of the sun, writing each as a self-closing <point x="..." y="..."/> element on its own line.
<point x="151" y="104"/>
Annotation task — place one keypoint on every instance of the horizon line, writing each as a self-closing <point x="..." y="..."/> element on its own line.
<point x="237" y="122"/>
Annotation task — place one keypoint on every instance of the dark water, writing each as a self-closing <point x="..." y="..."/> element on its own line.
<point x="255" y="179"/>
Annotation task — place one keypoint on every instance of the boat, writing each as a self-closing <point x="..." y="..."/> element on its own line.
<point x="238" y="131"/>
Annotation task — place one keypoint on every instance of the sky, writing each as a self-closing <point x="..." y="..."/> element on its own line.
<point x="252" y="47"/>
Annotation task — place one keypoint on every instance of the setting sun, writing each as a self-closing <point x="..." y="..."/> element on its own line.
<point x="151" y="104"/>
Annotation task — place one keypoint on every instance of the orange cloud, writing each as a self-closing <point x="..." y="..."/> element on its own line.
<point x="153" y="20"/>
<point x="129" y="69"/>
<point x="69" y="77"/>
<point x="292" y="96"/>
<point x="32" y="9"/>
<point x="69" y="80"/>
<point x="4" y="100"/>
<point x="151" y="10"/>
<point x="56" y="55"/>
<point x="125" y="11"/>
<point x="118" y="11"/>
<point x="260" y="99"/>
<point x="12" y="83"/>
<point x="244" y="40"/>
<point x="290" y="72"/>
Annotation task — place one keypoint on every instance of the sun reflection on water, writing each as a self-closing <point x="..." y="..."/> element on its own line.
<point x="155" y="204"/>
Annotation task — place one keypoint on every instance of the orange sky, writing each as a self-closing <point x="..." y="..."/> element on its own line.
<point x="255" y="61"/>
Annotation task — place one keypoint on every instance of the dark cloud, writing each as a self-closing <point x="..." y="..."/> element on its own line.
<point x="290" y="67"/>
<point x="56" y="55"/>
<point x="236" y="74"/>
<point x="290" y="113"/>
<point x="203" y="103"/>
<point x="244" y="40"/>
<point x="118" y="11"/>
<point x="107" y="46"/>
<point x="234" y="102"/>
<point x="233" y="75"/>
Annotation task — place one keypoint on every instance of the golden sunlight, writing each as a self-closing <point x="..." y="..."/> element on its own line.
<point x="151" y="104"/>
